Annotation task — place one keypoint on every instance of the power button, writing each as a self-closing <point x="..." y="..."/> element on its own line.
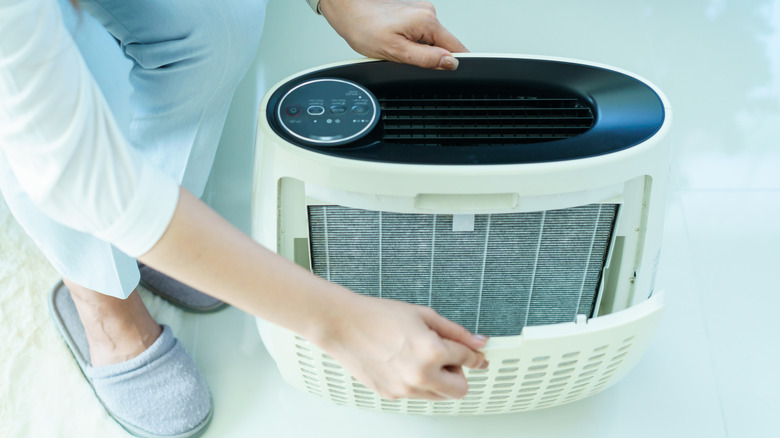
<point x="293" y="110"/>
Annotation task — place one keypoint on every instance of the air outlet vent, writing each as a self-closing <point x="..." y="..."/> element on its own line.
<point x="482" y="119"/>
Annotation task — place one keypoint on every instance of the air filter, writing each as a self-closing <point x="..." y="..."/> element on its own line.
<point x="521" y="197"/>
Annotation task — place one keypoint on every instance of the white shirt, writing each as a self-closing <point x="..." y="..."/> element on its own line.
<point x="61" y="141"/>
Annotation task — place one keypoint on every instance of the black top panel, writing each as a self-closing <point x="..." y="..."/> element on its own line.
<point x="490" y="111"/>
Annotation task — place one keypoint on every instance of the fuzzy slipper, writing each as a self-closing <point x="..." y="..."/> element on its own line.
<point x="160" y="393"/>
<point x="178" y="294"/>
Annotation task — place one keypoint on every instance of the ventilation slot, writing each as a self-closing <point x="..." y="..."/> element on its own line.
<point x="481" y="119"/>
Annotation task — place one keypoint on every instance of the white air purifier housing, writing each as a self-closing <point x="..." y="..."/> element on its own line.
<point x="521" y="196"/>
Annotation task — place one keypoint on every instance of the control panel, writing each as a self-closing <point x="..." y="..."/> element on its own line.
<point x="328" y="112"/>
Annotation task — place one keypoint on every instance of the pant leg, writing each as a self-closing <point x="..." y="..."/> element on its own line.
<point x="187" y="57"/>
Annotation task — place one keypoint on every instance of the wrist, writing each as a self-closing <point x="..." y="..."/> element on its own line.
<point x="330" y="323"/>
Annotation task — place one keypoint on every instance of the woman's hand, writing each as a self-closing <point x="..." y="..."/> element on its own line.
<point x="402" y="350"/>
<point x="400" y="31"/>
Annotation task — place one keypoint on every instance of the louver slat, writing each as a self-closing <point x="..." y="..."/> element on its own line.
<point x="482" y="119"/>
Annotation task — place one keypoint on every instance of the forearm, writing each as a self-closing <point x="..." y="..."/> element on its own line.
<point x="206" y="252"/>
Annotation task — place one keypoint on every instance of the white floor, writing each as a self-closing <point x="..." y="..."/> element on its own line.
<point x="712" y="368"/>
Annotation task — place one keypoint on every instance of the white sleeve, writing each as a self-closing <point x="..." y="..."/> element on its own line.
<point x="61" y="141"/>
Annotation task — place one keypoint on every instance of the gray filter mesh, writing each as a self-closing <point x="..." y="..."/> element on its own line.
<point x="512" y="270"/>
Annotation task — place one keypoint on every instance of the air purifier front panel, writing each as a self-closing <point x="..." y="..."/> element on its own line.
<point x="526" y="206"/>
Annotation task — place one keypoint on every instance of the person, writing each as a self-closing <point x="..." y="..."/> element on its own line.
<point x="98" y="197"/>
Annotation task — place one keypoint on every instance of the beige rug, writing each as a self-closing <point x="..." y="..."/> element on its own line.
<point x="42" y="391"/>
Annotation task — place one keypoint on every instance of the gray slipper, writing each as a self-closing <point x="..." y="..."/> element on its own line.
<point x="159" y="393"/>
<point x="178" y="294"/>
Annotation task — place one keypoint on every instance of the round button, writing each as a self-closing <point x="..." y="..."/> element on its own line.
<point x="338" y="109"/>
<point x="293" y="110"/>
<point x="360" y="109"/>
<point x="315" y="110"/>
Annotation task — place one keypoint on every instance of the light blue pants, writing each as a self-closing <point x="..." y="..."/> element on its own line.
<point x="184" y="60"/>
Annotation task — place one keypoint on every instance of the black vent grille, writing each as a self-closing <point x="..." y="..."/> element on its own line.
<point x="481" y="119"/>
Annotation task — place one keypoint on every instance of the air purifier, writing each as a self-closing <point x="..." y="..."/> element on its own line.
<point x="520" y="196"/>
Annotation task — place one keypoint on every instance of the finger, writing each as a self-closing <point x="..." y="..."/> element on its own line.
<point x="453" y="331"/>
<point x="435" y="33"/>
<point x="416" y="393"/>
<point x="461" y="355"/>
<point x="422" y="55"/>
<point x="429" y="395"/>
<point x="445" y="39"/>
<point x="451" y="380"/>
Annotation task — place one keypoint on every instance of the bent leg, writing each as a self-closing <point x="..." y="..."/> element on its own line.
<point x="189" y="56"/>
<point x="74" y="254"/>
<point x="187" y="59"/>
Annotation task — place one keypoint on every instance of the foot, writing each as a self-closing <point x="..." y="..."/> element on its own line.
<point x="117" y="330"/>
<point x="139" y="370"/>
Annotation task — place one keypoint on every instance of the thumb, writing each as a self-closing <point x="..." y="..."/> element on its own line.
<point x="423" y="55"/>
<point x="441" y="37"/>
<point x="454" y="331"/>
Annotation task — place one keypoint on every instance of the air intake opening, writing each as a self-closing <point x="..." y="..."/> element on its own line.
<point x="481" y="117"/>
<point x="510" y="271"/>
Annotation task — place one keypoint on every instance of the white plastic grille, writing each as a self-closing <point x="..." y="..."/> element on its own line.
<point x="544" y="367"/>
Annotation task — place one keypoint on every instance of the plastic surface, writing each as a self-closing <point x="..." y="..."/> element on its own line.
<point x="543" y="367"/>
<point x="327" y="112"/>
<point x="581" y="358"/>
<point x="628" y="111"/>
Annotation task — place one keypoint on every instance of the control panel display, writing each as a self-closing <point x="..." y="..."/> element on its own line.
<point x="328" y="112"/>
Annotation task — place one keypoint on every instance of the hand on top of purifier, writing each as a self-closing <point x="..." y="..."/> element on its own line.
<point x="402" y="350"/>
<point x="401" y="31"/>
